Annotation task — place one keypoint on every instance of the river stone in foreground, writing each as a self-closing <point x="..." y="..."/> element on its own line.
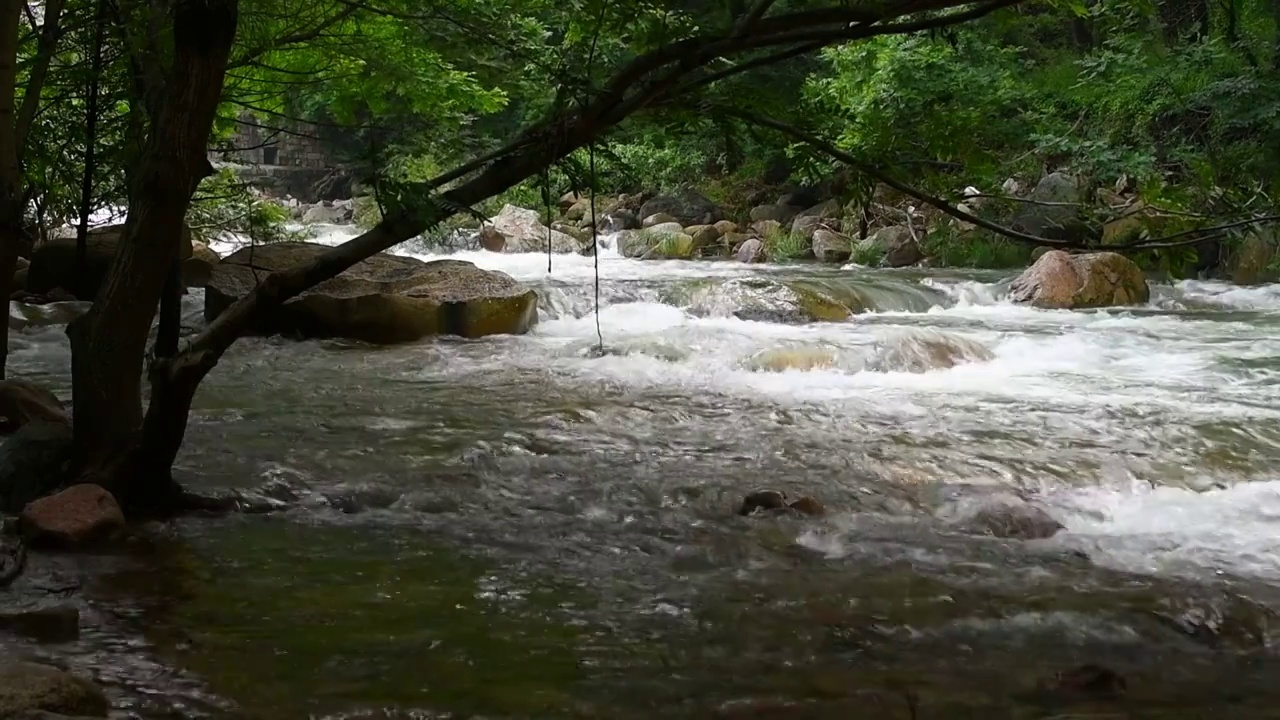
<point x="1062" y="281"/>
<point x="27" y="687"/>
<point x="385" y="299"/>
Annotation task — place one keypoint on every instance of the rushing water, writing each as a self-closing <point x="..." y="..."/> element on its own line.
<point x="528" y="527"/>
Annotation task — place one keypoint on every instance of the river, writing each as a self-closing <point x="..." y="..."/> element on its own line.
<point x="528" y="527"/>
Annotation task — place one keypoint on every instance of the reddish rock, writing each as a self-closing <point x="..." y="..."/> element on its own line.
<point x="74" y="517"/>
<point x="491" y="239"/>
<point x="808" y="506"/>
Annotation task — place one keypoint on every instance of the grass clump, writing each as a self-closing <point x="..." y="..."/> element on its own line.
<point x="782" y="244"/>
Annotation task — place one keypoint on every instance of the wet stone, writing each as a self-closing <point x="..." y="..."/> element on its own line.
<point x="44" y="620"/>
<point x="762" y="501"/>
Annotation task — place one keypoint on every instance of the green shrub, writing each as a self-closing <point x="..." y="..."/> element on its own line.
<point x="782" y="244"/>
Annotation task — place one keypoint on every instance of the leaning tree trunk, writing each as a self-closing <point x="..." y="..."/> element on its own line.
<point x="10" y="170"/>
<point x="109" y="342"/>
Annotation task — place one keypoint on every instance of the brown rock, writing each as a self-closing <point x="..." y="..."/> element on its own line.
<point x="764" y="228"/>
<point x="77" y="516"/>
<point x="831" y="246"/>
<point x="778" y="213"/>
<point x="383" y="299"/>
<point x="726" y="226"/>
<point x="492" y="240"/>
<point x="808" y="506"/>
<point x="703" y="236"/>
<point x="762" y="500"/>
<point x="1062" y="281"/>
<point x="53" y="262"/>
<point x="22" y="402"/>
<point x="28" y="687"/>
<point x="197" y="268"/>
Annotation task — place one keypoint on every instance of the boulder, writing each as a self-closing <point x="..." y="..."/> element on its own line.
<point x="688" y="207"/>
<point x="704" y="236"/>
<point x="1254" y="259"/>
<point x="801" y="197"/>
<point x="20" y="280"/>
<point x="75" y="517"/>
<point x="488" y="238"/>
<point x="582" y="235"/>
<point x="726" y="226"/>
<point x="751" y="251"/>
<point x="618" y="220"/>
<point x="1062" y="281"/>
<point x="667" y="228"/>
<point x="828" y="209"/>
<point x="53" y="262"/>
<point x="22" y="402"/>
<point x="659" y="219"/>
<point x="1062" y="221"/>
<point x="806" y="225"/>
<point x="830" y="246"/>
<point x="774" y="502"/>
<point x="765" y="228"/>
<point x="197" y="268"/>
<point x="384" y="299"/>
<point x="568" y="200"/>
<point x="897" y="245"/>
<point x="33" y="463"/>
<point x="325" y="213"/>
<point x="524" y="232"/>
<point x="778" y="213"/>
<point x="27" y="687"/>
<point x="670" y="246"/>
<point x="632" y="243"/>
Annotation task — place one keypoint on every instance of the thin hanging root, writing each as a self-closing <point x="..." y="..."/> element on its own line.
<point x="595" y="241"/>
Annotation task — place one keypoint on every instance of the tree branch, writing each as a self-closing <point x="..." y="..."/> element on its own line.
<point x="49" y="35"/>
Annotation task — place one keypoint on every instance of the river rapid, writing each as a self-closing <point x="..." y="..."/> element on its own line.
<point x="530" y="527"/>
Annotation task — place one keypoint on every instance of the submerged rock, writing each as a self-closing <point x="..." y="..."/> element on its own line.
<point x="1005" y="517"/>
<point x="22" y="402"/>
<point x="792" y="358"/>
<point x="80" y="515"/>
<point x="767" y="300"/>
<point x="522" y="231"/>
<point x="775" y="502"/>
<point x="33" y="463"/>
<point x="43" y="620"/>
<point x="920" y="351"/>
<point x="1062" y="281"/>
<point x="385" y="299"/>
<point x="27" y="687"/>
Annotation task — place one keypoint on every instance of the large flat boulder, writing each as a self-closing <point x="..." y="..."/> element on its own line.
<point x="384" y="299"/>
<point x="53" y="262"/>
<point x="1062" y="281"/>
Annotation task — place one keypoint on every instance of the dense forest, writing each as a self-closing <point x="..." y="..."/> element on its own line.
<point x="442" y="113"/>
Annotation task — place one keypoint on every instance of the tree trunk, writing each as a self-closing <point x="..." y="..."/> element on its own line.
<point x="10" y="167"/>
<point x="109" y="342"/>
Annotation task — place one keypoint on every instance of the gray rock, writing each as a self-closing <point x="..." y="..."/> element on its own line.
<point x="659" y="219"/>
<point x="779" y="213"/>
<point x="53" y="263"/>
<point x="688" y="207"/>
<point x="328" y="214"/>
<point x="830" y="246"/>
<point x="384" y="299"/>
<point x="524" y="232"/>
<point x="666" y="228"/>
<point x="751" y="251"/>
<point x="1009" y="518"/>
<point x="898" y="245"/>
<point x="33" y="463"/>
<point x="618" y="220"/>
<point x="1055" y="222"/>
<point x="26" y="687"/>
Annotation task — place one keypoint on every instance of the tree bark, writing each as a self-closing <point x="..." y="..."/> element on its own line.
<point x="109" y="342"/>
<point x="10" y="165"/>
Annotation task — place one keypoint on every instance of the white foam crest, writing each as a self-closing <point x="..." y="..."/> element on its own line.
<point x="967" y="293"/>
<point x="1161" y="530"/>
<point x="1262" y="297"/>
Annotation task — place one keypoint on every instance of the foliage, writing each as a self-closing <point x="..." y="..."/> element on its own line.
<point x="973" y="249"/>
<point x="224" y="204"/>
<point x="782" y="244"/>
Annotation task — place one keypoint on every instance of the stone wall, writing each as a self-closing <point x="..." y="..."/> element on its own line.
<point x="253" y="145"/>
